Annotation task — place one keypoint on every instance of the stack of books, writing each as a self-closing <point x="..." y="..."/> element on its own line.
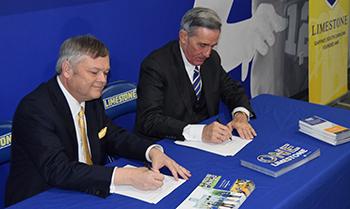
<point x="324" y="130"/>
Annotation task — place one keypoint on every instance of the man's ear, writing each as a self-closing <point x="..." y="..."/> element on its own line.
<point x="67" y="70"/>
<point x="183" y="36"/>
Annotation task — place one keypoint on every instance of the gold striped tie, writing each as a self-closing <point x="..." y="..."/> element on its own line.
<point x="83" y="136"/>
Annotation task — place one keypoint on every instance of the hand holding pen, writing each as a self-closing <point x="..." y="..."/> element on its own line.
<point x="141" y="178"/>
<point x="219" y="121"/>
<point x="149" y="177"/>
<point x="216" y="133"/>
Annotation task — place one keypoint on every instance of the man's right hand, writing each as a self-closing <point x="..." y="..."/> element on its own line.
<point x="216" y="133"/>
<point x="141" y="178"/>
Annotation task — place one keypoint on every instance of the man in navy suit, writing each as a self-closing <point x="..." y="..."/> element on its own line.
<point x="182" y="83"/>
<point x="61" y="135"/>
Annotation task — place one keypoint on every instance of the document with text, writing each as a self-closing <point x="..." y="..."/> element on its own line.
<point x="228" y="148"/>
<point x="150" y="196"/>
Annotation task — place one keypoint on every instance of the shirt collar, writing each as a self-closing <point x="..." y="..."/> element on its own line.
<point x="73" y="104"/>
<point x="189" y="67"/>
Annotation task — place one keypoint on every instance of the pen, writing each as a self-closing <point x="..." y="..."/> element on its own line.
<point x="148" y="165"/>
<point x="219" y="121"/>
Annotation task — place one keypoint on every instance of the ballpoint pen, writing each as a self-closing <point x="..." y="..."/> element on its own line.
<point x="148" y="165"/>
<point x="219" y="121"/>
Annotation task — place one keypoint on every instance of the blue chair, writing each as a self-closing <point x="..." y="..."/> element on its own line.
<point x="5" y="152"/>
<point x="119" y="100"/>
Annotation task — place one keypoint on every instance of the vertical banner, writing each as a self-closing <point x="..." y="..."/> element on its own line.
<point x="328" y="50"/>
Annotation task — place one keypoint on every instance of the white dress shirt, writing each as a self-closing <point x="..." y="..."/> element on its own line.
<point x="74" y="107"/>
<point x="194" y="131"/>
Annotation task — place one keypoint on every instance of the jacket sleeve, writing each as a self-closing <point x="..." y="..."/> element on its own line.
<point x="150" y="119"/>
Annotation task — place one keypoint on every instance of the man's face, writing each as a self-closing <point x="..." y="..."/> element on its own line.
<point x="198" y="46"/>
<point x="86" y="79"/>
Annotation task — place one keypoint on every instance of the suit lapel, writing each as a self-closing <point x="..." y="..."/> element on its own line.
<point x="92" y="128"/>
<point x="184" y="86"/>
<point x="61" y="105"/>
<point x="207" y="78"/>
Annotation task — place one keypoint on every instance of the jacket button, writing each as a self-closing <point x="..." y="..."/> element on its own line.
<point x="98" y="192"/>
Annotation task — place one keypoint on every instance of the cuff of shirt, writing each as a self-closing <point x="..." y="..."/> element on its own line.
<point x="241" y="109"/>
<point x="112" y="180"/>
<point x="157" y="146"/>
<point x="193" y="132"/>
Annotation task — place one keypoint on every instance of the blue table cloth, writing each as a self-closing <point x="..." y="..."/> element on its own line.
<point x="320" y="183"/>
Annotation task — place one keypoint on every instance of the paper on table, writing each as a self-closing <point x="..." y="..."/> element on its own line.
<point x="228" y="148"/>
<point x="150" y="196"/>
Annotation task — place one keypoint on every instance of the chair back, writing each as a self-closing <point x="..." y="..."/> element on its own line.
<point x="5" y="152"/>
<point x="5" y="142"/>
<point x="119" y="98"/>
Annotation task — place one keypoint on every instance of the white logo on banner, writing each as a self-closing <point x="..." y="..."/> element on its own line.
<point x="239" y="42"/>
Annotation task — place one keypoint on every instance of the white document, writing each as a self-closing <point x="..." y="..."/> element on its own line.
<point x="228" y="148"/>
<point x="150" y="196"/>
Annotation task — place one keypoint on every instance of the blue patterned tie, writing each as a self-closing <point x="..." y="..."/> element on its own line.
<point x="197" y="82"/>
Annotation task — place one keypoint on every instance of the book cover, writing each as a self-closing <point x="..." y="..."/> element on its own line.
<point x="217" y="192"/>
<point x="277" y="161"/>
<point x="325" y="127"/>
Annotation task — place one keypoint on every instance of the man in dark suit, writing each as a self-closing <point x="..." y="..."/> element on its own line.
<point x="182" y="83"/>
<point x="61" y="135"/>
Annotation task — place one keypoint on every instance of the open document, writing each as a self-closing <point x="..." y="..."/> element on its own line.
<point x="150" y="196"/>
<point x="228" y="148"/>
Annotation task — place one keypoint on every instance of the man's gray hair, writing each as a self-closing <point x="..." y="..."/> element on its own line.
<point x="200" y="17"/>
<point x="74" y="48"/>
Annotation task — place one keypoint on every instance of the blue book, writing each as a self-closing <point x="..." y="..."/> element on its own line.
<point x="281" y="159"/>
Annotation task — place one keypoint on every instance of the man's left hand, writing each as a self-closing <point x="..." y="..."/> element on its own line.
<point x="240" y="123"/>
<point x="159" y="160"/>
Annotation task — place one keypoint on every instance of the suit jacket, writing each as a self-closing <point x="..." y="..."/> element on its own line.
<point x="44" y="146"/>
<point x="166" y="96"/>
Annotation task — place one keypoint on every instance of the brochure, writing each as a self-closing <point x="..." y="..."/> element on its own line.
<point x="324" y="138"/>
<point x="324" y="127"/>
<point x="217" y="192"/>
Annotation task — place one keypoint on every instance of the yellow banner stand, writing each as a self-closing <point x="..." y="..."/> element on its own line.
<point x="328" y="50"/>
